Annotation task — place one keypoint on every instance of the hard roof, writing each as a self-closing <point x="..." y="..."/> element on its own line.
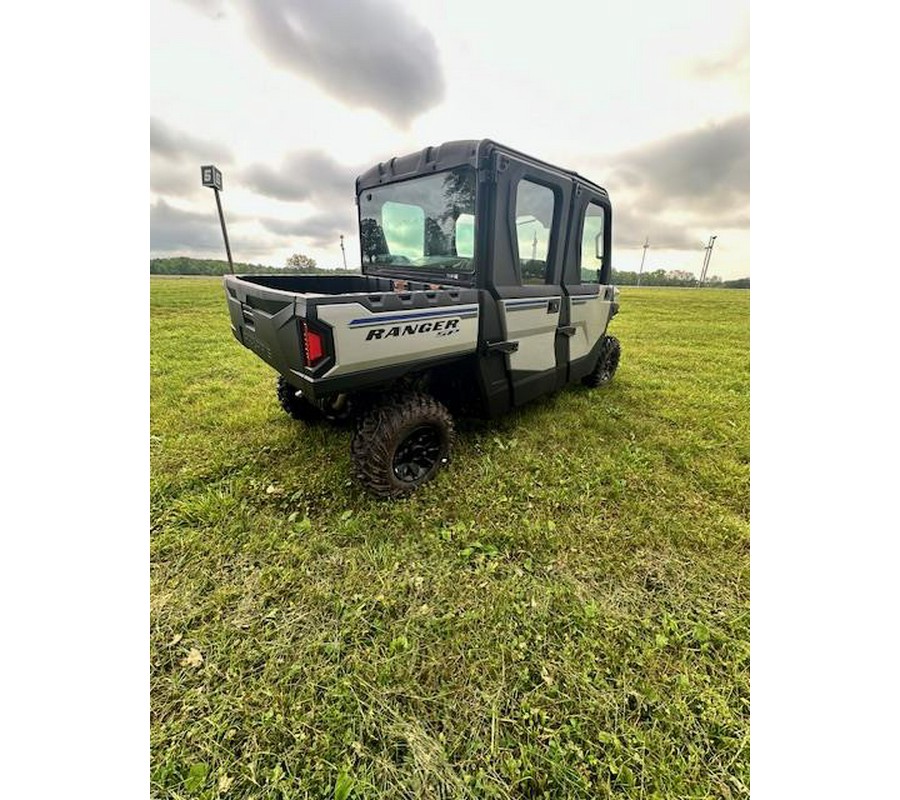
<point x="449" y="155"/>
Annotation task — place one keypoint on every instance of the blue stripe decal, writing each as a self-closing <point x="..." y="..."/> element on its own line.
<point x="580" y="300"/>
<point x="462" y="311"/>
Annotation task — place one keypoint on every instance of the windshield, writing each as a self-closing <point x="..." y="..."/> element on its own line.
<point x="426" y="222"/>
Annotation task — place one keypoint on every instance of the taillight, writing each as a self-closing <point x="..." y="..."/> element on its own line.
<point x="313" y="346"/>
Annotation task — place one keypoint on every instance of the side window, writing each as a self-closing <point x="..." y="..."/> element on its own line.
<point x="592" y="243"/>
<point x="534" y="220"/>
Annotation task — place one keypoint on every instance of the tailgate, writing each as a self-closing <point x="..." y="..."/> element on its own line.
<point x="267" y="321"/>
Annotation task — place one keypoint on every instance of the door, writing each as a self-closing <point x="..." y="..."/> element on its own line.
<point x="531" y="215"/>
<point x="587" y="294"/>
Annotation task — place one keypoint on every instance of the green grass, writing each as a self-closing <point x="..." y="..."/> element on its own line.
<point x="564" y="612"/>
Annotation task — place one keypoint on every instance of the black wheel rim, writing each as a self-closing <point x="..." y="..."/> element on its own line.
<point x="417" y="454"/>
<point x="609" y="360"/>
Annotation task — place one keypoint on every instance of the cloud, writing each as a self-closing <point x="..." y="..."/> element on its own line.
<point x="369" y="53"/>
<point x="707" y="168"/>
<point x="631" y="226"/>
<point x="320" y="230"/>
<point x="173" y="228"/>
<point x="176" y="230"/>
<point x="175" y="145"/>
<point x="695" y="180"/>
<point x="304" y="175"/>
<point x="174" y="180"/>
<point x="176" y="158"/>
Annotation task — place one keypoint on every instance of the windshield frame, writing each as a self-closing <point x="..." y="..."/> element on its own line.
<point x="408" y="271"/>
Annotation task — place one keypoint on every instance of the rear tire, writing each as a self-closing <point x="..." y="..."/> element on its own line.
<point x="607" y="363"/>
<point x="400" y="443"/>
<point x="296" y="406"/>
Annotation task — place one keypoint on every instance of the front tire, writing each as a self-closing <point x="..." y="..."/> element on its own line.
<point x="607" y="363"/>
<point x="400" y="443"/>
<point x="296" y="406"/>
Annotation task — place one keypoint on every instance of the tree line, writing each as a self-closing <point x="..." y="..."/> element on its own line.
<point x="184" y="265"/>
<point x="298" y="263"/>
<point x="674" y="277"/>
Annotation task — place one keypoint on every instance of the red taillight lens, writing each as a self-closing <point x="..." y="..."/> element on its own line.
<point x="313" y="346"/>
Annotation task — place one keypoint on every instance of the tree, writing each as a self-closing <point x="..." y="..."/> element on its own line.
<point x="680" y="277"/>
<point x="371" y="237"/>
<point x="435" y="239"/>
<point x="300" y="261"/>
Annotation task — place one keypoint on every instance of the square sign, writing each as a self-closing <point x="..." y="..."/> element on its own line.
<point x="212" y="177"/>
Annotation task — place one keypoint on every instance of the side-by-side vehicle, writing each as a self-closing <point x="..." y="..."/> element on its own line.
<point x="485" y="283"/>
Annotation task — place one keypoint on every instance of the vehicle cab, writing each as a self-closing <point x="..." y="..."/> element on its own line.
<point x="535" y="238"/>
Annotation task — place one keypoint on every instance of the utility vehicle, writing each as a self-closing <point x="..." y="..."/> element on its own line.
<point x="485" y="283"/>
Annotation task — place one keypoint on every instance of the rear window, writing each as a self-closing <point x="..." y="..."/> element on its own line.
<point x="426" y="222"/>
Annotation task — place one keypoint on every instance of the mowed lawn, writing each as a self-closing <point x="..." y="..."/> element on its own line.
<point x="562" y="613"/>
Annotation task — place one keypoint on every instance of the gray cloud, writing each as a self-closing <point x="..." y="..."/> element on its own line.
<point x="738" y="221"/>
<point x="631" y="225"/>
<point x="176" y="158"/>
<point x="175" y="145"/>
<point x="306" y="175"/>
<point x="320" y="230"/>
<point x="370" y="53"/>
<point x="315" y="177"/>
<point x="700" y="176"/>
<point x="704" y="169"/>
<point x="174" y="180"/>
<point x="175" y="230"/>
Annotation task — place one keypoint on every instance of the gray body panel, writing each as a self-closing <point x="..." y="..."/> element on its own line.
<point x="589" y="315"/>
<point x="366" y="340"/>
<point x="527" y="321"/>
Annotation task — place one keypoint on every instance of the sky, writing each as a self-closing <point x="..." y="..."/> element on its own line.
<point x="293" y="98"/>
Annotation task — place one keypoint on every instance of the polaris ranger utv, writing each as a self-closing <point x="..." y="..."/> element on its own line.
<point x="485" y="283"/>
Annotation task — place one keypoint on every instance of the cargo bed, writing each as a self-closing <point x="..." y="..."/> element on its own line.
<point x="325" y="333"/>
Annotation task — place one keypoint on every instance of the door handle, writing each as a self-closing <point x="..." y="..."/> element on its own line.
<point x="553" y="306"/>
<point x="501" y="347"/>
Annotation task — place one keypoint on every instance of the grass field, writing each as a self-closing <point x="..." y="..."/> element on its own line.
<point x="562" y="613"/>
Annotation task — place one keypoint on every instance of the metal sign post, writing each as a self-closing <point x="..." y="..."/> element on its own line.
<point x="212" y="179"/>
